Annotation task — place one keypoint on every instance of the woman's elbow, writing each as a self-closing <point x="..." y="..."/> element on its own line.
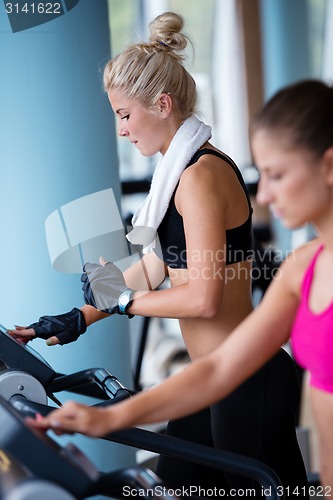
<point x="208" y="308"/>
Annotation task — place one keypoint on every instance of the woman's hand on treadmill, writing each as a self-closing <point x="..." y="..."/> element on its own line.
<point x="75" y="417"/>
<point x="25" y="334"/>
<point x="61" y="329"/>
<point x="22" y="333"/>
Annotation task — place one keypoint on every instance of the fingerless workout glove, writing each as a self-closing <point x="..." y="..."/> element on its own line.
<point x="102" y="286"/>
<point x="66" y="327"/>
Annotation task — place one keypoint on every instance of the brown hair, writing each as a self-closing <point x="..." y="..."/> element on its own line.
<point x="301" y="112"/>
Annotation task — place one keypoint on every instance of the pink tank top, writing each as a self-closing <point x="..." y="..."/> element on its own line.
<point x="312" y="336"/>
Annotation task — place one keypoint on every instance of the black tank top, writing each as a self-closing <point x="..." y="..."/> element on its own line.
<point x="239" y="240"/>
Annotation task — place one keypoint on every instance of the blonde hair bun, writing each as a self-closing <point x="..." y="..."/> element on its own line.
<point x="166" y="31"/>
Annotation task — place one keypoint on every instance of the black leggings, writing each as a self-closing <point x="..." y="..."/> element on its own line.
<point x="257" y="420"/>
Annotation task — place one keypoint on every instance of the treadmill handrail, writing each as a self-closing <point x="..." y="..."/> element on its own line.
<point x="181" y="449"/>
<point x="95" y="382"/>
<point x="201" y="454"/>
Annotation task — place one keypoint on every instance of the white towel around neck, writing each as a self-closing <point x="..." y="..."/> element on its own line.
<point x="190" y="136"/>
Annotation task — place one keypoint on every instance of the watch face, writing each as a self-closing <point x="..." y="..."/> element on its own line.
<point x="123" y="300"/>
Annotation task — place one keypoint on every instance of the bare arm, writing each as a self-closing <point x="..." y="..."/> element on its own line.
<point x="146" y="274"/>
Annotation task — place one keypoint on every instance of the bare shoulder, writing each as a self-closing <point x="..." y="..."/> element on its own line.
<point x="302" y="256"/>
<point x="296" y="263"/>
<point x="283" y="295"/>
<point x="209" y="172"/>
<point x="209" y="165"/>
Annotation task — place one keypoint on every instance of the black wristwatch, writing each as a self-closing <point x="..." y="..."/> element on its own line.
<point x="124" y="301"/>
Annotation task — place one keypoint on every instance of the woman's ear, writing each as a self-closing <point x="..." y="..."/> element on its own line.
<point x="328" y="165"/>
<point x="164" y="105"/>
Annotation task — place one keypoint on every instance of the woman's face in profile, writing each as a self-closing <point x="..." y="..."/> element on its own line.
<point x="291" y="180"/>
<point x="143" y="127"/>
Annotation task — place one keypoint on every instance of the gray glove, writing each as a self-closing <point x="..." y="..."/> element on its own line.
<point x="102" y="287"/>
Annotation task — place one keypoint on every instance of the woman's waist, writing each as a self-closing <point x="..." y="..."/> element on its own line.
<point x="202" y="336"/>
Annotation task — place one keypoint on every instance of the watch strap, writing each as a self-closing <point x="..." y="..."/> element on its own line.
<point x="124" y="304"/>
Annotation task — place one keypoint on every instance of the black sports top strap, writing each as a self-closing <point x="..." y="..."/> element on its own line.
<point x="228" y="160"/>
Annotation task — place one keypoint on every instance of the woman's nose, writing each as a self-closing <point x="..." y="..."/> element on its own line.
<point x="264" y="194"/>
<point x="123" y="132"/>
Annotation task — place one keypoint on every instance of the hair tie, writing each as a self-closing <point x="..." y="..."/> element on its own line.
<point x="161" y="43"/>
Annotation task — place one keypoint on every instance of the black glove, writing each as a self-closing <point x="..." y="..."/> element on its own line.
<point x="66" y="327"/>
<point x="102" y="286"/>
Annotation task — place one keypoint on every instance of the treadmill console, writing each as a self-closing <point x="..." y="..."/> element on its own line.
<point x="46" y="459"/>
<point x="15" y="354"/>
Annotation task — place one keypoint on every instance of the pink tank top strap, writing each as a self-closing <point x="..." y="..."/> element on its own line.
<point x="307" y="280"/>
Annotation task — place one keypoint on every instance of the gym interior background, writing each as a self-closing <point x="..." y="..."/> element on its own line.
<point x="58" y="143"/>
